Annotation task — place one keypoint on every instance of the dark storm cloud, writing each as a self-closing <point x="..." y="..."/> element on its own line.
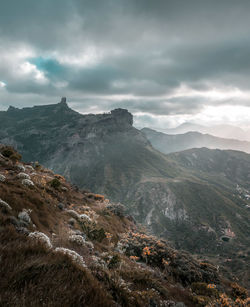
<point x="143" y="49"/>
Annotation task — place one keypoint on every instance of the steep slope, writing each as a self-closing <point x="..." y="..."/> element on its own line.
<point x="199" y="210"/>
<point x="63" y="247"/>
<point x="168" y="143"/>
<point x="104" y="153"/>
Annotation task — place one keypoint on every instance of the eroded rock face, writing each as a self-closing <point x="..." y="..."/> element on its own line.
<point x="161" y="202"/>
<point x="123" y="116"/>
<point x="54" y="129"/>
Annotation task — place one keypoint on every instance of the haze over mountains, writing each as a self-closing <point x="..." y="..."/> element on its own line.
<point x="222" y="131"/>
<point x="168" y="143"/>
<point x="198" y="199"/>
<point x="136" y="193"/>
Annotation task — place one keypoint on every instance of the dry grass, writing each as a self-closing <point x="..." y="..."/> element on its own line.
<point x="33" y="276"/>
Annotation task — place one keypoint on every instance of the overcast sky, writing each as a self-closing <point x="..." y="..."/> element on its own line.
<point x="167" y="62"/>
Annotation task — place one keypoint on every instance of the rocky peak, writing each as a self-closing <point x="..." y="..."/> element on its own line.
<point x="62" y="104"/>
<point x="63" y="100"/>
<point x="123" y="116"/>
<point x="12" y="109"/>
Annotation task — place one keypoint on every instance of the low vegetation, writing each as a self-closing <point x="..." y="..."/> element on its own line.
<point x="65" y="247"/>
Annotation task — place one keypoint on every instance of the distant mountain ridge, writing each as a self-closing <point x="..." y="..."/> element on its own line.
<point x="167" y="143"/>
<point x="195" y="208"/>
<point x="222" y="131"/>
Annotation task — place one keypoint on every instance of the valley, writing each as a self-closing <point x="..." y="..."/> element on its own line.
<point x="190" y="198"/>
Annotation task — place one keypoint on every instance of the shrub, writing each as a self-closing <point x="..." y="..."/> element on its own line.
<point x="72" y="221"/>
<point x="23" y="176"/>
<point x="74" y="214"/>
<point x="29" y="167"/>
<point x="78" y="239"/>
<point x="37" y="166"/>
<point x="55" y="183"/>
<point x="74" y="256"/>
<point x="11" y="153"/>
<point x="31" y="275"/>
<point x="6" y="207"/>
<point x="89" y="244"/>
<point x="238" y="291"/>
<point x="114" y="262"/>
<point x="16" y="157"/>
<point x="203" y="289"/>
<point x="24" y="216"/>
<point x="2" y="178"/>
<point x="201" y="301"/>
<point x="27" y="182"/>
<point x="60" y="206"/>
<point x="41" y="238"/>
<point x="118" y="209"/>
<point x="96" y="234"/>
<point x="7" y="151"/>
<point x="20" y="167"/>
<point x="85" y="218"/>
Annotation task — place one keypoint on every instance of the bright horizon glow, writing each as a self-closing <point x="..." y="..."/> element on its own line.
<point x="2" y="84"/>
<point x="209" y="116"/>
<point x="214" y="93"/>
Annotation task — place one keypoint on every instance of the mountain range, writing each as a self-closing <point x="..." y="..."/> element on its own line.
<point x="167" y="143"/>
<point x="198" y="199"/>
<point x="222" y="131"/>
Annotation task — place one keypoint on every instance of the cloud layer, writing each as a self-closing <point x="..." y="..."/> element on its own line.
<point x="166" y="61"/>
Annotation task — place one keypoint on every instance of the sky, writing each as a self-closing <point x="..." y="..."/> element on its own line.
<point x="166" y="61"/>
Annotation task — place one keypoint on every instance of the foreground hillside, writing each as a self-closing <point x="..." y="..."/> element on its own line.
<point x="64" y="247"/>
<point x="168" y="143"/>
<point x="199" y="200"/>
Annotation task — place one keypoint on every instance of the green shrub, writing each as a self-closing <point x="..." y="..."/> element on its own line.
<point x="92" y="232"/>
<point x="11" y="153"/>
<point x="55" y="183"/>
<point x="238" y="291"/>
<point x="203" y="289"/>
<point x="114" y="262"/>
<point x="37" y="166"/>
<point x="97" y="234"/>
<point x="16" y="157"/>
<point x="201" y="301"/>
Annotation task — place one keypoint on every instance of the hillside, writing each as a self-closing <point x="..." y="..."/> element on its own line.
<point x="187" y="199"/>
<point x="168" y="143"/>
<point x="64" y="247"/>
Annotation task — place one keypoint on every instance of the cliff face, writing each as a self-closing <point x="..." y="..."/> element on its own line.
<point x="194" y="198"/>
<point x="84" y="148"/>
<point x="41" y="131"/>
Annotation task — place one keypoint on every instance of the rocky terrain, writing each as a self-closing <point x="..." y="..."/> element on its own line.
<point x="197" y="199"/>
<point x="168" y="143"/>
<point x="61" y="246"/>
